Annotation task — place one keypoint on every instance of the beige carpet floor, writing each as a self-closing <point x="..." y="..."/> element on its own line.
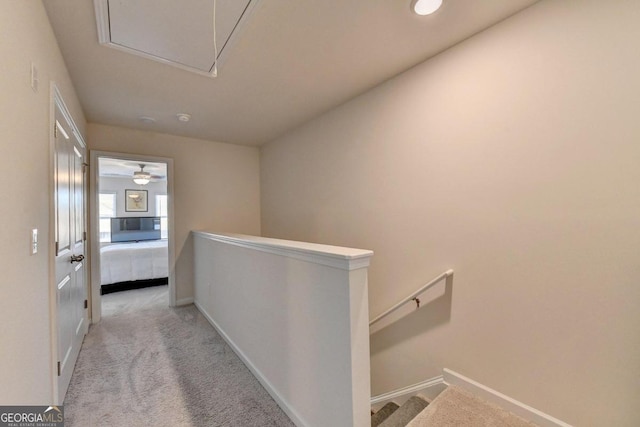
<point x="455" y="407"/>
<point x="146" y="364"/>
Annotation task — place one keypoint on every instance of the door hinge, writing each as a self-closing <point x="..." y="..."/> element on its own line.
<point x="84" y="167"/>
<point x="57" y="248"/>
<point x="58" y="368"/>
<point x="86" y="304"/>
<point x="55" y="130"/>
<point x="84" y="236"/>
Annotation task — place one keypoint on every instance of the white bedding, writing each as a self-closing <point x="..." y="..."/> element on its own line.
<point x="123" y="262"/>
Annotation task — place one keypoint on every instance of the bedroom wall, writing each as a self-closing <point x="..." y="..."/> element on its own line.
<point x="119" y="185"/>
<point x="216" y="186"/>
<point x="26" y="365"/>
<point x="512" y="158"/>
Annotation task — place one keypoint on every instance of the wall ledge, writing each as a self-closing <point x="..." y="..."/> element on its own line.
<point x="331" y="256"/>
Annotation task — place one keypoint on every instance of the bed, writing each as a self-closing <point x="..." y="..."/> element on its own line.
<point x="133" y="265"/>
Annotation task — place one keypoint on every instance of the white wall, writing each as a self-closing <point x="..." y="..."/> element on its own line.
<point x="296" y="313"/>
<point x="514" y="159"/>
<point x="25" y="171"/>
<point x="216" y="186"/>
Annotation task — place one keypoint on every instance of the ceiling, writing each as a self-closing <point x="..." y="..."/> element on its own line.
<point x="290" y="61"/>
<point x="120" y="168"/>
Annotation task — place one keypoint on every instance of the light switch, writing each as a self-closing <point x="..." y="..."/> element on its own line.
<point x="34" y="241"/>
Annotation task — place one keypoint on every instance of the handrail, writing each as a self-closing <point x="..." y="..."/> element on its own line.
<point x="412" y="296"/>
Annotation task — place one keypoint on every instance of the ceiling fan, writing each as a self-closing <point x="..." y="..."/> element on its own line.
<point x="142" y="177"/>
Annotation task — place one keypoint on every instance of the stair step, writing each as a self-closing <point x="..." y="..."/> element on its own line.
<point x="456" y="407"/>
<point x="404" y="414"/>
<point x="383" y="414"/>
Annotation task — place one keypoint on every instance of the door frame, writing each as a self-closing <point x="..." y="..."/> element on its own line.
<point x="57" y="101"/>
<point x="96" y="298"/>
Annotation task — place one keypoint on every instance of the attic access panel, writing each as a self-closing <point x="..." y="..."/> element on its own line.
<point x="175" y="32"/>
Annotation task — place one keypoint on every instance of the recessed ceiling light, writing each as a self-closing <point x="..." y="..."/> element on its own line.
<point x="426" y="7"/>
<point x="183" y="117"/>
<point x="146" y="119"/>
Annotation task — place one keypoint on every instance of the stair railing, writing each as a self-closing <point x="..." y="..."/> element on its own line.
<point x="412" y="297"/>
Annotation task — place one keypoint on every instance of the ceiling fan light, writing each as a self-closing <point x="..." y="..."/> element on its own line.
<point x="142" y="178"/>
<point x="426" y="7"/>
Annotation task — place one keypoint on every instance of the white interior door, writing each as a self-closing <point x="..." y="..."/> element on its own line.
<point x="70" y="274"/>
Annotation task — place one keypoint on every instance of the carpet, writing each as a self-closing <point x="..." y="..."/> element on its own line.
<point x="455" y="407"/>
<point x="146" y="364"/>
<point x="404" y="414"/>
<point x="383" y="414"/>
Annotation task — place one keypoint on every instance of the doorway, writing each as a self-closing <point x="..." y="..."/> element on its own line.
<point x="132" y="226"/>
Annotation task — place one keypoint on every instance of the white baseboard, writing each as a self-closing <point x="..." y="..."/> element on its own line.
<point x="499" y="399"/>
<point x="184" y="301"/>
<point x="291" y="413"/>
<point x="430" y="389"/>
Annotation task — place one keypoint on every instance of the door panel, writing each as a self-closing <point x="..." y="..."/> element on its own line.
<point x="80" y="290"/>
<point x="63" y="191"/>
<point x="78" y="197"/>
<point x="64" y="319"/>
